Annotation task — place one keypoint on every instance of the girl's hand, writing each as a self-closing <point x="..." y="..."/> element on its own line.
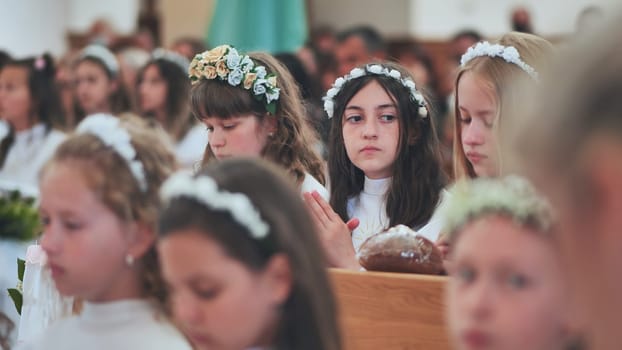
<point x="335" y="235"/>
<point x="442" y="243"/>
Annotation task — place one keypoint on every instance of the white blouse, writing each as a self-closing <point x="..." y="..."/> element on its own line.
<point x="190" y="149"/>
<point x="125" y="324"/>
<point x="370" y="208"/>
<point x="30" y="150"/>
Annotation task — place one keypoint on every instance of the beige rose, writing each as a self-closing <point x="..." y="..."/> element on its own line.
<point x="209" y="72"/>
<point x="215" y="54"/>
<point x="272" y="81"/>
<point x="249" y="79"/>
<point x="221" y="69"/>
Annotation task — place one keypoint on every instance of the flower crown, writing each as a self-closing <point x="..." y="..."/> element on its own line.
<point x="173" y="57"/>
<point x="509" y="53"/>
<point x="108" y="129"/>
<point x="103" y="55"/>
<point x="373" y="69"/>
<point x="225" y="63"/>
<point x="204" y="190"/>
<point x="512" y="195"/>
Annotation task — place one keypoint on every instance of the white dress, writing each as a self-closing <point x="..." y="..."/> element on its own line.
<point x="126" y="324"/>
<point x="29" y="152"/>
<point x="190" y="149"/>
<point x="310" y="184"/>
<point x="369" y="207"/>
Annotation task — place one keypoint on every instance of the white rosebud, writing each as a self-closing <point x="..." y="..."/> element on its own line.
<point x="272" y="95"/>
<point x="246" y="64"/>
<point x="261" y="72"/>
<point x="259" y="88"/>
<point x="339" y="82"/>
<point x="233" y="59"/>
<point x="409" y="84"/>
<point x="418" y="97"/>
<point x="395" y="74"/>
<point x="356" y="73"/>
<point x="235" y="77"/>
<point x="329" y="107"/>
<point x="510" y="54"/>
<point x="423" y="111"/>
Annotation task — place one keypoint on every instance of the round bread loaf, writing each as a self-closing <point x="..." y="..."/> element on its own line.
<point x="400" y="249"/>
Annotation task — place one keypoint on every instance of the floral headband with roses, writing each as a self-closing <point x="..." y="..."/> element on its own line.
<point x="204" y="190"/>
<point x="373" y="69"/>
<point x="226" y="64"/>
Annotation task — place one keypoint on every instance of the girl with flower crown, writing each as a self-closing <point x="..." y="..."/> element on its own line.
<point x="162" y="90"/>
<point x="506" y="288"/>
<point x="242" y="262"/>
<point x="98" y="206"/>
<point x="383" y="161"/>
<point x="487" y="90"/>
<point x="31" y="117"/>
<point x="252" y="107"/>
<point x="98" y="84"/>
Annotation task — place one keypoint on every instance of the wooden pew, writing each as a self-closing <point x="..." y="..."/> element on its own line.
<point x="390" y="311"/>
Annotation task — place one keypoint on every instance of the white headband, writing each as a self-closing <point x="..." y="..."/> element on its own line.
<point x="173" y="57"/>
<point x="509" y="53"/>
<point x="102" y="54"/>
<point x="374" y="69"/>
<point x="204" y="190"/>
<point x="108" y="129"/>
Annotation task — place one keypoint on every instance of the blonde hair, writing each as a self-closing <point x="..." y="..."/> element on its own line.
<point x="109" y="177"/>
<point x="291" y="146"/>
<point x="503" y="80"/>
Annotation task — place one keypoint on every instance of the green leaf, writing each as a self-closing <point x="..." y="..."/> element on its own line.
<point x="21" y="267"/>
<point x="271" y="107"/>
<point x="17" y="299"/>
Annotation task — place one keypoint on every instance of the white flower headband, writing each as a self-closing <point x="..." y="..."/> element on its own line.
<point x="225" y="63"/>
<point x="173" y="57"/>
<point x="512" y="195"/>
<point x="375" y="69"/>
<point x="204" y="190"/>
<point x="108" y="129"/>
<point x="103" y="55"/>
<point x="509" y="53"/>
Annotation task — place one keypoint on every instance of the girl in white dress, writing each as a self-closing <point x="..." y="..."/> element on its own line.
<point x="252" y="107"/>
<point x="31" y="111"/>
<point x="383" y="161"/>
<point x="506" y="288"/>
<point x="98" y="84"/>
<point x="243" y="262"/>
<point x="162" y="90"/>
<point x="98" y="206"/>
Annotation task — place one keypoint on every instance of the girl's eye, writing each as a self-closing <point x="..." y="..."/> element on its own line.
<point x="517" y="281"/>
<point x="45" y="221"/>
<point x="465" y="274"/>
<point x="207" y="294"/>
<point x="72" y="225"/>
<point x="387" y="118"/>
<point x="354" y="119"/>
<point x="465" y="120"/>
<point x="229" y="126"/>
<point x="209" y="129"/>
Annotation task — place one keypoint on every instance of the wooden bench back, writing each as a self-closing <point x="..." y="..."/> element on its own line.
<point x="390" y="311"/>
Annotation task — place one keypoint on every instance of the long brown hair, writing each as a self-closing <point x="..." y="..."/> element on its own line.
<point x="292" y="143"/>
<point x="417" y="177"/>
<point x="503" y="79"/>
<point x="308" y="318"/>
<point x="178" y="119"/>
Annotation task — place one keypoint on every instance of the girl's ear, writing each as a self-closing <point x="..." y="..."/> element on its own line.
<point x="278" y="276"/>
<point x="270" y="123"/>
<point x="140" y="238"/>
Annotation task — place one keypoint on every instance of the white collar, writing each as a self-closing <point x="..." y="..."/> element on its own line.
<point x="378" y="187"/>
